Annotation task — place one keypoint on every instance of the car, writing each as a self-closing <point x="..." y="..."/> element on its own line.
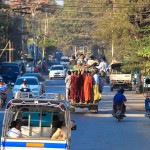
<point x="65" y="61"/>
<point x="33" y="82"/>
<point x="29" y="67"/>
<point x="10" y="72"/>
<point x="39" y="76"/>
<point x="57" y="71"/>
<point x="51" y="63"/>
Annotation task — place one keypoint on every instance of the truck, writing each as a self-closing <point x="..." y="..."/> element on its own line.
<point x="118" y="78"/>
<point x="65" y="61"/>
<point x="35" y="117"/>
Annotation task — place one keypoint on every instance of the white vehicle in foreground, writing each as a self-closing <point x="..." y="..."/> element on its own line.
<point x="57" y="71"/>
<point x="37" y="120"/>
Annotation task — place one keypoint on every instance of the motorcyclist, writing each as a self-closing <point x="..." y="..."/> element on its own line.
<point x="24" y="85"/>
<point x="3" y="90"/>
<point x="119" y="99"/>
<point x="2" y="82"/>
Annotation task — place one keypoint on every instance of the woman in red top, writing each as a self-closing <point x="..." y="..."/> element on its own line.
<point x="74" y="87"/>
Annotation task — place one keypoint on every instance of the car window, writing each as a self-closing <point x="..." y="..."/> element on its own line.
<point x="65" y="60"/>
<point x="57" y="68"/>
<point x="35" y="118"/>
<point x="34" y="75"/>
<point x="8" y="69"/>
<point x="53" y="63"/>
<point x="29" y="81"/>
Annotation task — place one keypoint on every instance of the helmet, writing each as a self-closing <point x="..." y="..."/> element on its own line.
<point x="121" y="90"/>
<point x="24" y="80"/>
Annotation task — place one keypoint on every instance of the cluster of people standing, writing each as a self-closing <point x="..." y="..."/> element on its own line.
<point x="84" y="86"/>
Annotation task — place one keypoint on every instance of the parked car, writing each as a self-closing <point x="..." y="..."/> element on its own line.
<point x="57" y="71"/>
<point x="51" y="63"/>
<point x="10" y="72"/>
<point x="33" y="82"/>
<point x="39" y="76"/>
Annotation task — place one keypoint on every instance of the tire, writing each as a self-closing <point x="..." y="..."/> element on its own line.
<point x="50" y="78"/>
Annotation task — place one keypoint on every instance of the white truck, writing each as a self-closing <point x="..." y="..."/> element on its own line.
<point x="119" y="78"/>
<point x="65" y="61"/>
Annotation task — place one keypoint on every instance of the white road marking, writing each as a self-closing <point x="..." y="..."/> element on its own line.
<point x="110" y="115"/>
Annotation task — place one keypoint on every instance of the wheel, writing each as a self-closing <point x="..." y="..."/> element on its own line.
<point x="50" y="78"/>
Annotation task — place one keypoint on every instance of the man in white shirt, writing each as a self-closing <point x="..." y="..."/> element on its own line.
<point x="15" y="132"/>
<point x="24" y="84"/>
<point x="102" y="66"/>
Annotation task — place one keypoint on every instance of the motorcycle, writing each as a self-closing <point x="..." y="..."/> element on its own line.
<point x="119" y="115"/>
<point x="3" y="94"/>
<point x="25" y="90"/>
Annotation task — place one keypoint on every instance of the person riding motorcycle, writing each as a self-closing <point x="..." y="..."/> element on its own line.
<point x="119" y="99"/>
<point x="3" y="91"/>
<point x="2" y="82"/>
<point x="24" y="85"/>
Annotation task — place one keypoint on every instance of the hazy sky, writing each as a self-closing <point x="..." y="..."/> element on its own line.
<point x="59" y="2"/>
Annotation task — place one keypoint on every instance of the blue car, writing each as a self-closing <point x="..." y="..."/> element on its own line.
<point x="10" y="72"/>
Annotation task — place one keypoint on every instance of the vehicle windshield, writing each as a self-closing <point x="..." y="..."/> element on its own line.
<point x="35" y="75"/>
<point x="116" y="69"/>
<point x="57" y="68"/>
<point x="31" y="64"/>
<point x="65" y="60"/>
<point x="9" y="69"/>
<point x="29" y="81"/>
<point x="53" y="63"/>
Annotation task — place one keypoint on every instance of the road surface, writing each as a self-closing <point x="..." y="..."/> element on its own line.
<point x="101" y="131"/>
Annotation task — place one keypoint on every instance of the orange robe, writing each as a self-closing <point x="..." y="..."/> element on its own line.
<point x="88" y="83"/>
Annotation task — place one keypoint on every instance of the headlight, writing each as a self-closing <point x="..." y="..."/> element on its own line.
<point x="35" y="89"/>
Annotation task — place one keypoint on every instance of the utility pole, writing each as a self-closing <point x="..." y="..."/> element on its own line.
<point x="45" y="33"/>
<point x="34" y="34"/>
<point x="10" y="49"/>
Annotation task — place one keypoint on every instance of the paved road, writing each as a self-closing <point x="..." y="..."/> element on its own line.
<point x="101" y="131"/>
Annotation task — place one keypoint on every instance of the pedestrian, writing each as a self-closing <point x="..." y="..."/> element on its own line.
<point x="68" y="83"/>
